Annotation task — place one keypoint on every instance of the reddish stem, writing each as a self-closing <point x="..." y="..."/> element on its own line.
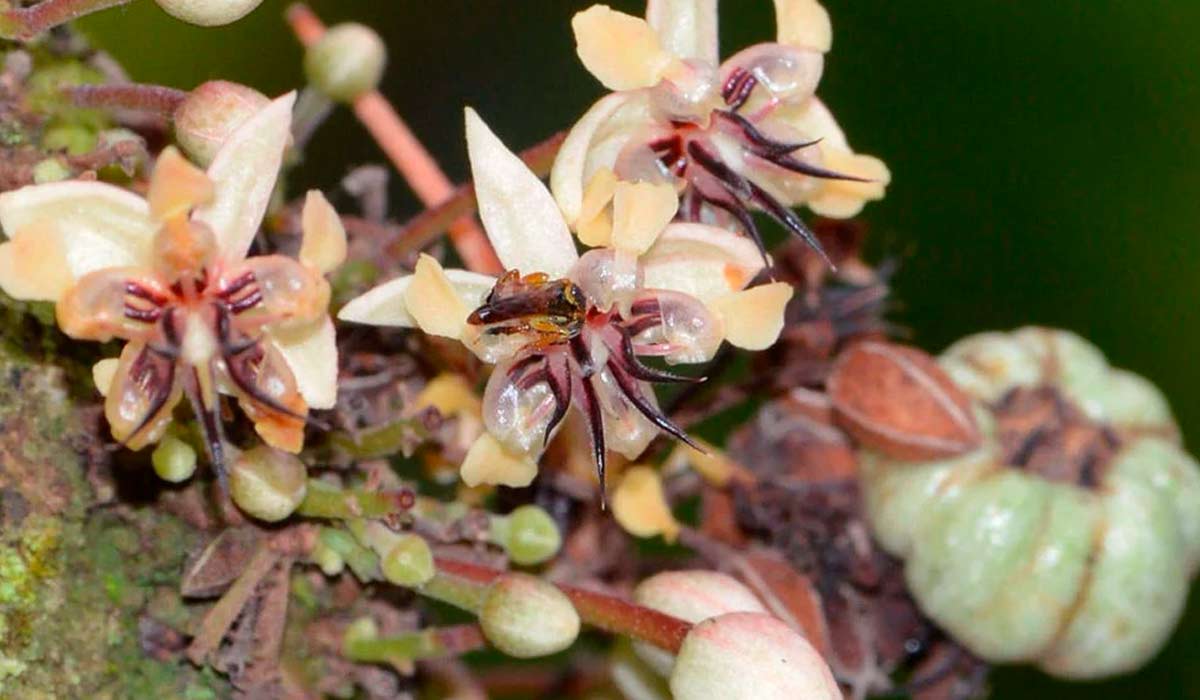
<point x="406" y="152"/>
<point x="155" y="99"/>
<point x="26" y="23"/>
<point x="607" y="612"/>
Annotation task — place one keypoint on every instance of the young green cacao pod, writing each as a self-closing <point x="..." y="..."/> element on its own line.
<point x="1068" y="537"/>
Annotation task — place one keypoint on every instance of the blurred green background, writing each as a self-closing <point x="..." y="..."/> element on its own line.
<point x="1046" y="159"/>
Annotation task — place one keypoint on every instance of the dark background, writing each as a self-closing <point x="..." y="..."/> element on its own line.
<point x="1045" y="159"/>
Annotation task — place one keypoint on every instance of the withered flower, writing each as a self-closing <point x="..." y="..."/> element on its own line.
<point x="169" y="274"/>
<point x="567" y="330"/>
<point x="736" y="136"/>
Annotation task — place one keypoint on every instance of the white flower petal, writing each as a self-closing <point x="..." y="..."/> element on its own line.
<point x="803" y="23"/>
<point x="686" y="28"/>
<point x="324" y="243"/>
<point x="311" y="353"/>
<point x="64" y="230"/>
<point x="384" y="305"/>
<point x="754" y="317"/>
<point x="621" y="50"/>
<point x="244" y="172"/>
<point x="522" y="220"/>
<point x="567" y="175"/>
<point x="702" y="261"/>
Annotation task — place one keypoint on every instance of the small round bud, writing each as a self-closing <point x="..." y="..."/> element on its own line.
<point x="527" y="617"/>
<point x="691" y="596"/>
<point x="531" y="536"/>
<point x="329" y="559"/>
<point x="210" y="113"/>
<point x="50" y="170"/>
<point x="208" y="13"/>
<point x="408" y="562"/>
<point x="346" y="62"/>
<point x="174" y="460"/>
<point x="750" y="656"/>
<point x="268" y="484"/>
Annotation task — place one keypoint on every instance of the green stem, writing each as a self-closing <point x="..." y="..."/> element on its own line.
<point x="461" y="592"/>
<point x="429" y="643"/>
<point x="323" y="500"/>
<point x="362" y="561"/>
<point x="26" y="23"/>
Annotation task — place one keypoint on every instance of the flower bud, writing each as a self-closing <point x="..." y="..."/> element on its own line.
<point x="749" y="656"/>
<point x="408" y="561"/>
<point x="346" y="62"/>
<point x="50" y="170"/>
<point x="691" y="596"/>
<point x="174" y="460"/>
<point x="210" y="113"/>
<point x="268" y="484"/>
<point x="208" y="13"/>
<point x="526" y="617"/>
<point x="529" y="535"/>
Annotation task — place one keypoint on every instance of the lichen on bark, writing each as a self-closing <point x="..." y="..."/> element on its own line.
<point x="76" y="574"/>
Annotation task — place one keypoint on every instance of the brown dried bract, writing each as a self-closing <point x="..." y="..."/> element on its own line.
<point x="896" y="399"/>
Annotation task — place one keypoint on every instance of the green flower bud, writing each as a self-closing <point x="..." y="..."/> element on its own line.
<point x="527" y="617"/>
<point x="529" y="535"/>
<point x="408" y="562"/>
<point x="174" y="460"/>
<point x="329" y="559"/>
<point x="750" y="656"/>
<point x="346" y="62"/>
<point x="74" y="139"/>
<point x="268" y="484"/>
<point x="210" y="113"/>
<point x="50" y="170"/>
<point x="208" y="13"/>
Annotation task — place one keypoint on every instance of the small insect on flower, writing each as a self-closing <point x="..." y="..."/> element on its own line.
<point x="169" y="274"/>
<point x="567" y="331"/>
<point x="732" y="137"/>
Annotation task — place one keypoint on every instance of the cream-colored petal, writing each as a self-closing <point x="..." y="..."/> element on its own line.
<point x="310" y="351"/>
<point x="33" y="266"/>
<point x="450" y="393"/>
<point x="176" y="185"/>
<point x="244" y="172"/>
<point x="599" y="193"/>
<point x="433" y="302"/>
<point x="621" y="50"/>
<point x="385" y="306"/>
<point x="803" y="23"/>
<point x="702" y="261"/>
<point x="103" y="373"/>
<point x="567" y="175"/>
<point x="640" y="506"/>
<point x="842" y="199"/>
<point x="522" y="220"/>
<point x="488" y="462"/>
<point x="324" y="243"/>
<point x="91" y="226"/>
<point x="754" y="317"/>
<point x="686" y="28"/>
<point x="640" y="212"/>
<point x="814" y="120"/>
<point x="597" y="231"/>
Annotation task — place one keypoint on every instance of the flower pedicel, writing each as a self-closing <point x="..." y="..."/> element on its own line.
<point x="566" y="330"/>
<point x="169" y="274"/>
